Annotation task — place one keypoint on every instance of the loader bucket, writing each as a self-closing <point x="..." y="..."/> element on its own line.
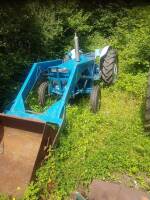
<point x="23" y="146"/>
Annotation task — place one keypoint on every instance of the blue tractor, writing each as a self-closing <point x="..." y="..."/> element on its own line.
<point x="25" y="136"/>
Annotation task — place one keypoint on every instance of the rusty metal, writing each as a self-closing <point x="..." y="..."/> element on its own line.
<point x="100" y="190"/>
<point x="23" y="146"/>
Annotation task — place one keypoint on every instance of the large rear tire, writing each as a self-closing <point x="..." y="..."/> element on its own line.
<point x="42" y="93"/>
<point x="95" y="99"/>
<point x="109" y="67"/>
<point x="147" y="107"/>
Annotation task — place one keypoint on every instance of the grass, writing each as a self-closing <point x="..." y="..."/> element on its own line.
<point x="32" y="102"/>
<point x="110" y="145"/>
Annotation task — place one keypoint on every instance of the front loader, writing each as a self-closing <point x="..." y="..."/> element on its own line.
<point x="26" y="136"/>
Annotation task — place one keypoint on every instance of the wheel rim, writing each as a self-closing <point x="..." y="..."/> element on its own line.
<point x="115" y="73"/>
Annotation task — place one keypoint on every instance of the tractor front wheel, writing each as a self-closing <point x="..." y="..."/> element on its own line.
<point x="109" y="67"/>
<point x="95" y="99"/>
<point x="42" y="93"/>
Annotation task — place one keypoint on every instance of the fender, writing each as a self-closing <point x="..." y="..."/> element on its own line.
<point x="104" y="51"/>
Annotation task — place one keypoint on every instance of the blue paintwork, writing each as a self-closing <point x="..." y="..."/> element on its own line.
<point x="68" y="79"/>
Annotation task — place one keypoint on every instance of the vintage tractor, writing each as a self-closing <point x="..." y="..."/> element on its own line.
<point x="25" y="136"/>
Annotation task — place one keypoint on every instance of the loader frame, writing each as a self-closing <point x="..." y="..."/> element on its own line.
<point x="26" y="136"/>
<point x="78" y="76"/>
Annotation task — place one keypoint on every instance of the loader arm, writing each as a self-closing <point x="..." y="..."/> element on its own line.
<point x="54" y="114"/>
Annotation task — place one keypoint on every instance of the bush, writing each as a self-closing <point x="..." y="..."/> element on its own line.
<point x="131" y="37"/>
<point x="133" y="84"/>
<point x="33" y="31"/>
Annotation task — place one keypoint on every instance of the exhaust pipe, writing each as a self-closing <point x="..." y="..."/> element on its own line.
<point x="77" y="54"/>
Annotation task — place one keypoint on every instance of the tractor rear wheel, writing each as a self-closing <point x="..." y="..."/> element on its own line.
<point x="95" y="98"/>
<point x="109" y="67"/>
<point x="42" y="93"/>
<point x="147" y="107"/>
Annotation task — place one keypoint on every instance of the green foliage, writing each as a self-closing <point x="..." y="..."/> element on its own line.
<point x="106" y="19"/>
<point x="133" y="84"/>
<point x="131" y="37"/>
<point x="3" y="197"/>
<point x="18" y="46"/>
<point x="44" y="183"/>
<point x="107" y="146"/>
<point x="34" y="31"/>
<point x="33" y="104"/>
<point x="78" y="22"/>
<point x="134" y="36"/>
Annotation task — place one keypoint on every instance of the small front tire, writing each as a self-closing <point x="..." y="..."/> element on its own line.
<point x="95" y="98"/>
<point x="42" y="93"/>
